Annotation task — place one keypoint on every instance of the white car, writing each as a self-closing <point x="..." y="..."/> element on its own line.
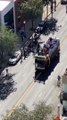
<point x="64" y="118"/>
<point x="15" y="57"/>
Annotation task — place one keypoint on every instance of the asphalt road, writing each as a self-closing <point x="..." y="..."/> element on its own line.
<point x="25" y="90"/>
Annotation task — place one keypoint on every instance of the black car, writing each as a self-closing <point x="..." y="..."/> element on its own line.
<point x="41" y="27"/>
<point x="63" y="2"/>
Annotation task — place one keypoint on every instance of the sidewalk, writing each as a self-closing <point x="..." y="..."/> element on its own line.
<point x="36" y="22"/>
<point x="45" y="11"/>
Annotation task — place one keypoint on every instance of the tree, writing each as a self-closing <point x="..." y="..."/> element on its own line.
<point x="32" y="9"/>
<point x="40" y="112"/>
<point x="19" y="114"/>
<point x="8" y="42"/>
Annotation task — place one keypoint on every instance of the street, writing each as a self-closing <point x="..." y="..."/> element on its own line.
<point x="29" y="92"/>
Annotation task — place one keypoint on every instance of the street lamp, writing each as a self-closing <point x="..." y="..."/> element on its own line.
<point x="24" y="22"/>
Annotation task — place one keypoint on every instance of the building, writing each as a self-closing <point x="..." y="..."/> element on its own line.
<point x="9" y="15"/>
<point x="6" y="12"/>
<point x="64" y="87"/>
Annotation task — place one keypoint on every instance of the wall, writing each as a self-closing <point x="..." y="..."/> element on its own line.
<point x="19" y="16"/>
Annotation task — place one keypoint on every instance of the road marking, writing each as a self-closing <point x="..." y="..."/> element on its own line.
<point x="61" y="42"/>
<point x="65" y="38"/>
<point x="21" y="98"/>
<point x="18" y="103"/>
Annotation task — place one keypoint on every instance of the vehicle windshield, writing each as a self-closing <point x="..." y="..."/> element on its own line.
<point x="40" y="62"/>
<point x="14" y="56"/>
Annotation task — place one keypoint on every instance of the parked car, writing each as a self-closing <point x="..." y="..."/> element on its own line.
<point x="63" y="2"/>
<point x="64" y="118"/>
<point x="15" y="57"/>
<point x="41" y="27"/>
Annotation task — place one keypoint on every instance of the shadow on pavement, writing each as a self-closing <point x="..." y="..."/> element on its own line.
<point x="42" y="76"/>
<point x="50" y="26"/>
<point x="6" y="86"/>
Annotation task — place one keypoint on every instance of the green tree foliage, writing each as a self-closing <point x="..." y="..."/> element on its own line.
<point x="19" y="114"/>
<point x="8" y="42"/>
<point x="46" y="2"/>
<point x="32" y="9"/>
<point x="40" y="112"/>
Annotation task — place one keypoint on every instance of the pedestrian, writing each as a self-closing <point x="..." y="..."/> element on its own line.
<point x="35" y="36"/>
<point x="58" y="80"/>
<point x="65" y="72"/>
<point x="54" y="5"/>
<point x="22" y="34"/>
<point x="38" y="48"/>
<point x="21" y="55"/>
<point x="7" y="72"/>
<point x="21" y="60"/>
<point x="66" y="8"/>
<point x="58" y="77"/>
<point x="24" y="53"/>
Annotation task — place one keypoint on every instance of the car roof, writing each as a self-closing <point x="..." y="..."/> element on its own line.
<point x="17" y="52"/>
<point x="42" y="22"/>
<point x="64" y="118"/>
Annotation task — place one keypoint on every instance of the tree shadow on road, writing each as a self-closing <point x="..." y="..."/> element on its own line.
<point x="42" y="76"/>
<point x="6" y="86"/>
<point x="51" y="26"/>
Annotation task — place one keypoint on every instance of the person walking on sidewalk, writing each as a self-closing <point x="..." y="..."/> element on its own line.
<point x="21" y="55"/>
<point x="24" y="53"/>
<point x="7" y="73"/>
<point x="38" y="47"/>
<point x="58" y="80"/>
<point x="54" y="5"/>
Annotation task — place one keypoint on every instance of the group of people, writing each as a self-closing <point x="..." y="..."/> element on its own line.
<point x="47" y="46"/>
<point x="35" y="41"/>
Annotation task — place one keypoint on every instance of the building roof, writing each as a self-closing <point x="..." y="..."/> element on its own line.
<point x="4" y="4"/>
